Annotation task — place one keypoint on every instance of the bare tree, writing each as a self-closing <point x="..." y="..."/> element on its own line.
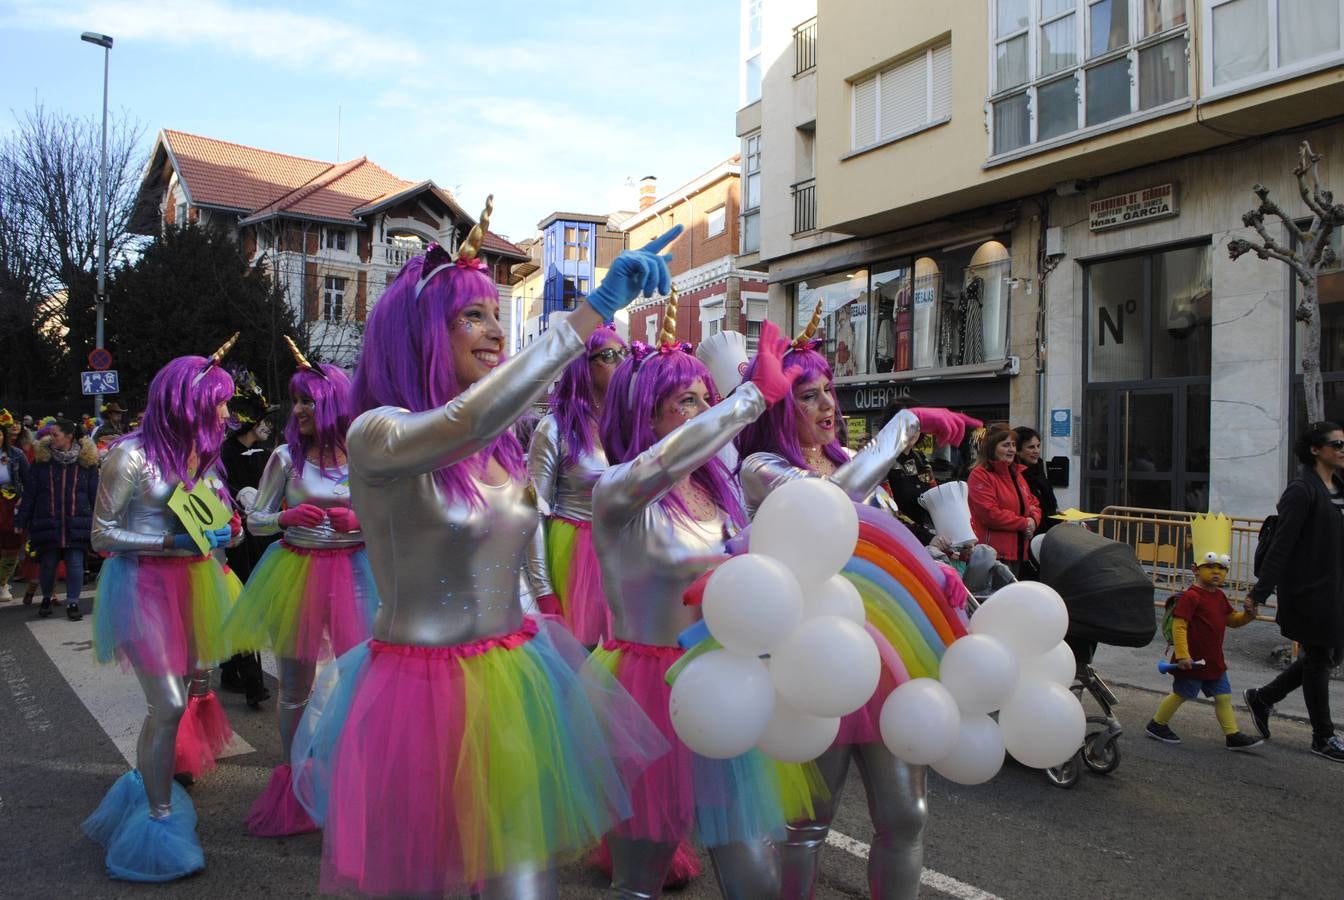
<point x="1308" y="254"/>
<point x="50" y="179"/>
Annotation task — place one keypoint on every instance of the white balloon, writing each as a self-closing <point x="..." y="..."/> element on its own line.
<point x="809" y="525"/>
<point x="1028" y="616"/>
<point x="979" y="671"/>
<point x="920" y="722"/>
<point x="721" y="704"/>
<point x="828" y="667"/>
<point x="1056" y="664"/>
<point x="752" y="603"/>
<point x="978" y="754"/>
<point x="836" y="596"/>
<point x="1043" y="724"/>
<point x="796" y="737"/>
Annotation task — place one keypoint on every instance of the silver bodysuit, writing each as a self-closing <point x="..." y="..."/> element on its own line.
<point x="447" y="571"/>
<point x="279" y="482"/>
<point x="562" y="490"/>
<point x="131" y="515"/>
<point x="650" y="557"/>
<point x="896" y="791"/>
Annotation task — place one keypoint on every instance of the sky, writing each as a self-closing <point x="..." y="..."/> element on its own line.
<point x="550" y="106"/>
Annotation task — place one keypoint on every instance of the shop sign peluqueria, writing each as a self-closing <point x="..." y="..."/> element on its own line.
<point x="1157" y="202"/>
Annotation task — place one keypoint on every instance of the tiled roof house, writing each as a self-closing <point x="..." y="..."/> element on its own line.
<point x="334" y="234"/>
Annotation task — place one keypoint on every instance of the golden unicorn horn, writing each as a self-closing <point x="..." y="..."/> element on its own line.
<point x="472" y="245"/>
<point x="806" y="334"/>
<point x="669" y="333"/>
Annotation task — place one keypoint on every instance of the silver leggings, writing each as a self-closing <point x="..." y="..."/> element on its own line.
<point x="745" y="871"/>
<point x="296" y="685"/>
<point x="155" y="751"/>
<point x="899" y="810"/>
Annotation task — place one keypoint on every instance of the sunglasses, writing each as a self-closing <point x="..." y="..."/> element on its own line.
<point x="1338" y="445"/>
<point x="611" y="356"/>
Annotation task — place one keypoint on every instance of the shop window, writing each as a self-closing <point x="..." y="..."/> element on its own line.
<point x="892" y="331"/>
<point x="844" y="326"/>
<point x="1330" y="294"/>
<point x="1149" y="316"/>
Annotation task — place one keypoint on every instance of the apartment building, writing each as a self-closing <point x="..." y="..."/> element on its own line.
<point x="333" y="235"/>
<point x="566" y="260"/>
<point x="715" y="294"/>
<point x="1021" y="208"/>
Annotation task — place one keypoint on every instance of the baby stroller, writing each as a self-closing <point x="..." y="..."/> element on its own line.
<point x="1110" y="601"/>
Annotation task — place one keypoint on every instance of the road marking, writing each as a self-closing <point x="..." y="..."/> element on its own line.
<point x="944" y="884"/>
<point x="25" y="701"/>
<point x="111" y="697"/>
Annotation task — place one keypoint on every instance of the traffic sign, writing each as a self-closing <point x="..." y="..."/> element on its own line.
<point x="99" y="382"/>
<point x="100" y="360"/>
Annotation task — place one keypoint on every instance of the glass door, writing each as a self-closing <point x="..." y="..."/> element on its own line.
<point x="1147" y="447"/>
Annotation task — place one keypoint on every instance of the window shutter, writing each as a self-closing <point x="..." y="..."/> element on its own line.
<point x="942" y="82"/>
<point x="865" y="112"/>
<point x="904" y="97"/>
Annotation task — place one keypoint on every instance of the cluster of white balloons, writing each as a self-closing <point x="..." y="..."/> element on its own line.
<point x="784" y="600"/>
<point x="1013" y="661"/>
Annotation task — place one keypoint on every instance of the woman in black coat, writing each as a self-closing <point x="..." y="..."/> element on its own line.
<point x="1304" y="566"/>
<point x="57" y="511"/>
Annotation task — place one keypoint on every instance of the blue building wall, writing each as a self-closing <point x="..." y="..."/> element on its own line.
<point x="569" y="253"/>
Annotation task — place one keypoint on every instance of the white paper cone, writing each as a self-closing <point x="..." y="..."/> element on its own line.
<point x="951" y="512"/>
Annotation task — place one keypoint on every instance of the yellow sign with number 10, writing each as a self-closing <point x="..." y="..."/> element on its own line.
<point x="200" y="510"/>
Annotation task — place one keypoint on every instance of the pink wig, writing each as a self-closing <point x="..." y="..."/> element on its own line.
<point x="332" y="411"/>
<point x="407" y="361"/>
<point x="181" y="414"/>
<point x="777" y="430"/>
<point x="636" y="390"/>
<point x="572" y="398"/>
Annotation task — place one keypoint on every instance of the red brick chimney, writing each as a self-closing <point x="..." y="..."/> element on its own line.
<point x="648" y="191"/>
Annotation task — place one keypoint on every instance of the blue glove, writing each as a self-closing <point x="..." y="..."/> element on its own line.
<point x="220" y="537"/>
<point x="635" y="272"/>
<point x="184" y="542"/>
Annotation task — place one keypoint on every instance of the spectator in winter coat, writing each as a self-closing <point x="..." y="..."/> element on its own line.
<point x="13" y="473"/>
<point x="1304" y="567"/>
<point x="57" y="510"/>
<point x="1004" y="512"/>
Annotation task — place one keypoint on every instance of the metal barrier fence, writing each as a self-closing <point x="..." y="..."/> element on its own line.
<point x="1161" y="541"/>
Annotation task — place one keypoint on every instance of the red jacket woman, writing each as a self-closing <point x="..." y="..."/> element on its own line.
<point x="1004" y="512"/>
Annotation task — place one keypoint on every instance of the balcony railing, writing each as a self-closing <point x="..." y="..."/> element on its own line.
<point x="396" y="253"/>
<point x="805" y="206"/>
<point x="805" y="47"/>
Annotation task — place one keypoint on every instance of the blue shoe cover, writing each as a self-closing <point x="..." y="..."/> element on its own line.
<point x="126" y="798"/>
<point x="148" y="849"/>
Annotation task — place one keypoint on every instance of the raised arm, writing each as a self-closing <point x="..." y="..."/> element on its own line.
<point x="625" y="490"/>
<point x="264" y="518"/>
<point x="869" y="467"/>
<point x="543" y="462"/>
<point x="394" y="443"/>
<point x="118" y="480"/>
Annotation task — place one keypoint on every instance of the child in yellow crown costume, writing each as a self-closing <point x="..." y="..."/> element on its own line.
<point x="1202" y="616"/>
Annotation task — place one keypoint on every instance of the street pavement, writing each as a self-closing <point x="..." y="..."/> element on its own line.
<point x="1187" y="821"/>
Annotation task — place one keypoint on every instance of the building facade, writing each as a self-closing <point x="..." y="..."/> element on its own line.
<point x="714" y="293"/>
<point x="565" y="261"/>
<point x="1021" y="208"/>
<point x="332" y="235"/>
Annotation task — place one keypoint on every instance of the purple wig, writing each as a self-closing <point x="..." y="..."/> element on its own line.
<point x="332" y="411"/>
<point x="777" y="430"/>
<point x="407" y="361"/>
<point x="181" y="414"/>
<point x="636" y="390"/>
<point x="572" y="399"/>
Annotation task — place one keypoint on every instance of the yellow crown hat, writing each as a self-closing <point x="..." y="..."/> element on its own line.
<point x="1212" y="540"/>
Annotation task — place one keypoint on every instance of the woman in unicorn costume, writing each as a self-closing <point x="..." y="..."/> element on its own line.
<point x="161" y="604"/>
<point x="312" y="593"/>
<point x="565" y="459"/>
<point x="465" y="748"/>
<point x="661" y="514"/>
<point x="799" y="439"/>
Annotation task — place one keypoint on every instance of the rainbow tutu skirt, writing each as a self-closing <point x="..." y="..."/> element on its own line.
<point x="162" y="615"/>
<point x="305" y="603"/>
<point x="577" y="579"/>
<point x="434" y="769"/>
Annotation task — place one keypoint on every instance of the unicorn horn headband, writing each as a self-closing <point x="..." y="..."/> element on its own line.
<point x="669" y="333"/>
<point x="667" y="339"/>
<point x="804" y="337"/>
<point x="216" y="358"/>
<point x="468" y="252"/>
<point x="302" y="361"/>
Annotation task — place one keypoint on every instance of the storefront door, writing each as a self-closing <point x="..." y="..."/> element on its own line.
<point x="1147" y="447"/>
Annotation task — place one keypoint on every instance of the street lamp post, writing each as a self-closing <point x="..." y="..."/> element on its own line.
<point x="100" y="301"/>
